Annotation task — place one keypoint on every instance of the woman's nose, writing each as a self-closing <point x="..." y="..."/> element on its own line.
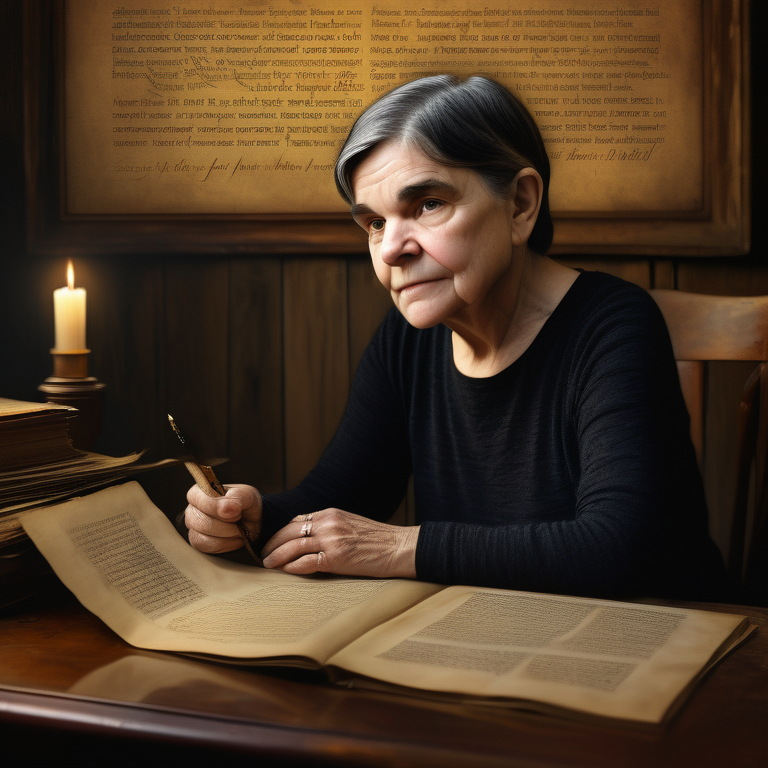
<point x="398" y="242"/>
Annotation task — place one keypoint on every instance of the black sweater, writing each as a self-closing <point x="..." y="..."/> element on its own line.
<point x="570" y="471"/>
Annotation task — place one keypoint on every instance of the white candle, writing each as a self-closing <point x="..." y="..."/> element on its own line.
<point x="69" y="315"/>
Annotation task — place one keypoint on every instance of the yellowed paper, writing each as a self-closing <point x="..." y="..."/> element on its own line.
<point x="217" y="107"/>
<point x="125" y="562"/>
<point x="601" y="657"/>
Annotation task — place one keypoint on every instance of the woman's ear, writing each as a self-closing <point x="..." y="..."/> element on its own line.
<point x="525" y="198"/>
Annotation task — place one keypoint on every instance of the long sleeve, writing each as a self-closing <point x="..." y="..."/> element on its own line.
<point x="570" y="471"/>
<point x="608" y="500"/>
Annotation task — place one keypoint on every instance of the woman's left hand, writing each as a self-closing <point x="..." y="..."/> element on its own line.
<point x="334" y="541"/>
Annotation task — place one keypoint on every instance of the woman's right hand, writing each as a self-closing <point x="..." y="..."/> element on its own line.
<point x="211" y="520"/>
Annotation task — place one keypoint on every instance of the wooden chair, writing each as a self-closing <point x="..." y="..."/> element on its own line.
<point x="710" y="328"/>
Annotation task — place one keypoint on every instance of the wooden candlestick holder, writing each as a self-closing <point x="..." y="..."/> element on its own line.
<point x="71" y="385"/>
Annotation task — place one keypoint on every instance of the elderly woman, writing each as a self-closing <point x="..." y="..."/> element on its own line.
<point x="537" y="407"/>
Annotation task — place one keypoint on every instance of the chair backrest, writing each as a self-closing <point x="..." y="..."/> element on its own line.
<point x="709" y="328"/>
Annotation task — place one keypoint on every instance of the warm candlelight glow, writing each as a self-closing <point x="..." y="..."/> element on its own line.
<point x="69" y="315"/>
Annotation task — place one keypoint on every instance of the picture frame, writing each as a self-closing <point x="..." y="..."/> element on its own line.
<point x="718" y="226"/>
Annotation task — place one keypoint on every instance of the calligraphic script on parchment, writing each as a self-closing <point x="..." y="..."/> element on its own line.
<point x="225" y="107"/>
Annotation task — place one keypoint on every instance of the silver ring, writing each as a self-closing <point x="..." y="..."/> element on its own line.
<point x="306" y="529"/>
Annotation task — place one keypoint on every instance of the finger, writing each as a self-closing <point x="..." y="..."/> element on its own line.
<point x="214" y="545"/>
<point x="198" y="521"/>
<point x="221" y="507"/>
<point x="288" y="552"/>
<point x="248" y="500"/>
<point x="299" y="528"/>
<point x="239" y="501"/>
<point x="312" y="563"/>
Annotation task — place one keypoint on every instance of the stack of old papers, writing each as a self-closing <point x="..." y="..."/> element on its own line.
<point x="39" y="465"/>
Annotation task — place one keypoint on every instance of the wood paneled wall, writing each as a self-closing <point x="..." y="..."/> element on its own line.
<point x="254" y="355"/>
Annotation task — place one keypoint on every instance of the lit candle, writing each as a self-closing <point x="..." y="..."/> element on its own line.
<point x="69" y="315"/>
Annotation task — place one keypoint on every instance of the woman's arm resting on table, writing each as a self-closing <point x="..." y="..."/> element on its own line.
<point x="211" y="520"/>
<point x="334" y="541"/>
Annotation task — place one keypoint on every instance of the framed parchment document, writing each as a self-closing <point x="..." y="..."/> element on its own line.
<point x="213" y="125"/>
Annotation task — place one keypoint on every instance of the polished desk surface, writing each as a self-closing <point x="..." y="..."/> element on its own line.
<point x="68" y="682"/>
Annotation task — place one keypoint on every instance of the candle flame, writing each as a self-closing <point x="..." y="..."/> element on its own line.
<point x="70" y="275"/>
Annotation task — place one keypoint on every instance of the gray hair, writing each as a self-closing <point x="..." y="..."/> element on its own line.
<point x="474" y="123"/>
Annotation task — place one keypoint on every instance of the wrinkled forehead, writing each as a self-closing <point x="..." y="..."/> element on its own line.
<point x="400" y="170"/>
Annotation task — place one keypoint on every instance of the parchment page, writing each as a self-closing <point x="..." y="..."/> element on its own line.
<point x="601" y="657"/>
<point x="124" y="561"/>
<point x="223" y="107"/>
<point x="11" y="410"/>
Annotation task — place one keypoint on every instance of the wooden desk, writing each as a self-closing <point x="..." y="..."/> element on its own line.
<point x="67" y="682"/>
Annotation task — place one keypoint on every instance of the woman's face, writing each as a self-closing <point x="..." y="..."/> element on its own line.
<point x="439" y="240"/>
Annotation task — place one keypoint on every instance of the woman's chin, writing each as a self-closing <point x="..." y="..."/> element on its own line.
<point x="420" y="320"/>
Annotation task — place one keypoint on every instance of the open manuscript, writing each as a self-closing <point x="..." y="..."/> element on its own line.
<point x="125" y="562"/>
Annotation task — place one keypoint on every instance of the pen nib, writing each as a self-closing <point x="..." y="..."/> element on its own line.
<point x="176" y="429"/>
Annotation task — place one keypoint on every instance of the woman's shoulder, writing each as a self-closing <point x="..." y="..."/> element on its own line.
<point x="612" y="322"/>
<point x="597" y="297"/>
<point x="601" y="286"/>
